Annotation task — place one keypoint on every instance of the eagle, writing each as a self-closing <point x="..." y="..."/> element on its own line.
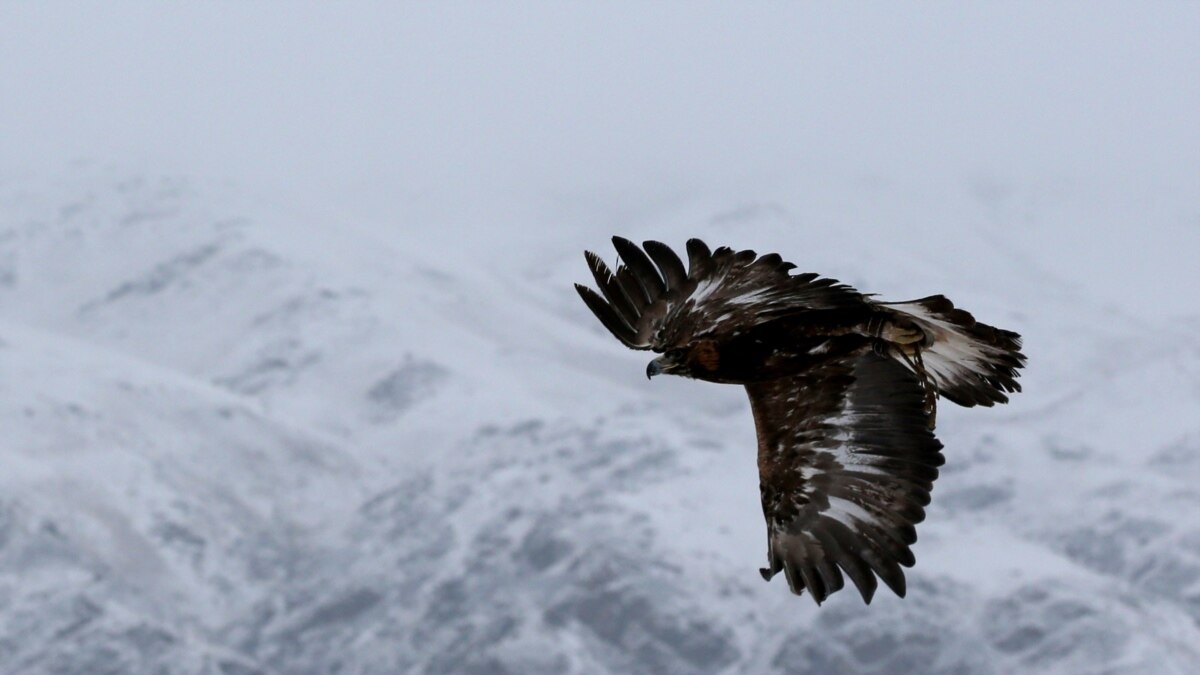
<point x="843" y="389"/>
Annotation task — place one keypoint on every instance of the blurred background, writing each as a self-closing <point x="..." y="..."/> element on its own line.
<point x="293" y="378"/>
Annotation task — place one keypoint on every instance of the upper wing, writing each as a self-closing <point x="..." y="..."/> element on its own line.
<point x="652" y="301"/>
<point x="846" y="463"/>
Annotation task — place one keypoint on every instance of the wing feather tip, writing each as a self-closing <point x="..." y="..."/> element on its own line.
<point x="867" y="591"/>
<point x="892" y="575"/>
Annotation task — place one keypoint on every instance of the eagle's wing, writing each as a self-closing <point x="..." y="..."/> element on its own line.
<point x="653" y="301"/>
<point x="846" y="463"/>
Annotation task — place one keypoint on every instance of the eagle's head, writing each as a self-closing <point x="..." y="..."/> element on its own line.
<point x="700" y="360"/>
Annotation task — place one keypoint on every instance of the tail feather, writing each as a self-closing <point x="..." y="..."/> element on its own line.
<point x="970" y="362"/>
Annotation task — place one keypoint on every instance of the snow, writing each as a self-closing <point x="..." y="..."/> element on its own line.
<point x="293" y="377"/>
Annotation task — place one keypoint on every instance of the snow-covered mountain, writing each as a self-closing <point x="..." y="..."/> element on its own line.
<point x="238" y="439"/>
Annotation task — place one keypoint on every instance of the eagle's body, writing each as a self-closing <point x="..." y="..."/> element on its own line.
<point x="843" y="390"/>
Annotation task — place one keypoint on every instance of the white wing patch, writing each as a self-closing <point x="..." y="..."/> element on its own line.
<point x="752" y="297"/>
<point x="954" y="357"/>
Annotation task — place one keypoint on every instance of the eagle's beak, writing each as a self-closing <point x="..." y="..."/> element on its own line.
<point x="653" y="368"/>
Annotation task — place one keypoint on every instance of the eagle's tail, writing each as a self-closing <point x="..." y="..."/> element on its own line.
<point x="970" y="362"/>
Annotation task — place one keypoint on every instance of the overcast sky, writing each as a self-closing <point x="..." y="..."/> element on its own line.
<point x="478" y="114"/>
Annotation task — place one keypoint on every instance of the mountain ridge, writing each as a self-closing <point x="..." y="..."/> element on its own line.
<point x="345" y="450"/>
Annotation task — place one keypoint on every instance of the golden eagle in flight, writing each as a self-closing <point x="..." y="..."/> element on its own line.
<point x="843" y="389"/>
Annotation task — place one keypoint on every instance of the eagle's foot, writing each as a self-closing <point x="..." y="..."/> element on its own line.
<point x="895" y="330"/>
<point x="901" y="334"/>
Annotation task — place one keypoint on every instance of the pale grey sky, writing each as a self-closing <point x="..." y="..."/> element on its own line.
<point x="503" y="114"/>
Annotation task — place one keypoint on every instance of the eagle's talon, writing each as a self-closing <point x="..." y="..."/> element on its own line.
<point x="930" y="387"/>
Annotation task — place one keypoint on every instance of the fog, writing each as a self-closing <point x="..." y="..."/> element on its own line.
<point x="494" y="116"/>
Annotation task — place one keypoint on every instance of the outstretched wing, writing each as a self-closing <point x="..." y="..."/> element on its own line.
<point x="846" y="462"/>
<point x="652" y="301"/>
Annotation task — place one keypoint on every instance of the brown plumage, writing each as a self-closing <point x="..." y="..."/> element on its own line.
<point x="843" y="389"/>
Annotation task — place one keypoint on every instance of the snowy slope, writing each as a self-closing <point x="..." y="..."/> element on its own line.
<point x="242" y="439"/>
